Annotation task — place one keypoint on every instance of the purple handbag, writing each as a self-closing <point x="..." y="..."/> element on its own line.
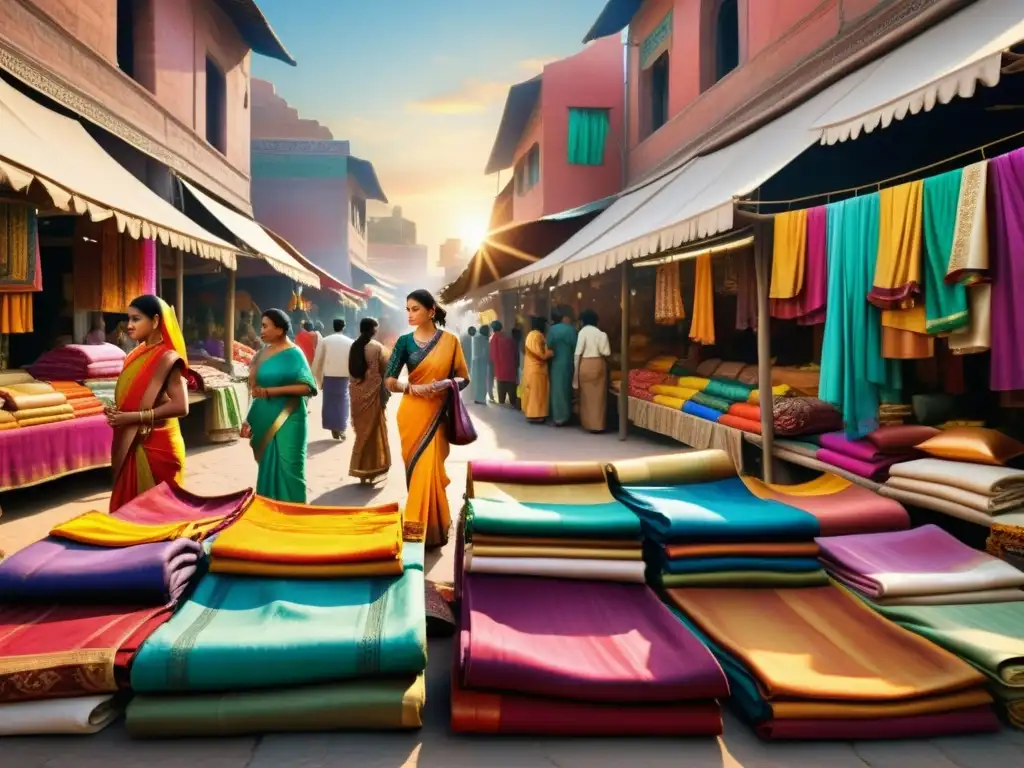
<point x="460" y="427"/>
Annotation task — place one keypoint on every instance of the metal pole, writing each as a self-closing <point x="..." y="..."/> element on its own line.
<point x="763" y="233"/>
<point x="179" y="284"/>
<point x="229" y="322"/>
<point x="624" y="355"/>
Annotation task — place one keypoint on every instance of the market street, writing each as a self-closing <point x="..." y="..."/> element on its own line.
<point x="27" y="516"/>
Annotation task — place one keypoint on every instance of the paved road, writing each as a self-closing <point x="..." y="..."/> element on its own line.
<point x="28" y="515"/>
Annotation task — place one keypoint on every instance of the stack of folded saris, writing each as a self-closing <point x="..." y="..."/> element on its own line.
<point x="77" y="362"/>
<point x="550" y="520"/>
<point x="102" y="389"/>
<point x="35" y="403"/>
<point x="549" y="655"/>
<point x="817" y="663"/>
<point x="76" y="607"/>
<point x="978" y="493"/>
<point x="312" y="618"/>
<point x="79" y="397"/>
<point x="860" y="457"/>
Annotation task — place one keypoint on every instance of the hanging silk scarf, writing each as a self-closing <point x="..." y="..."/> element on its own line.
<point x="789" y="255"/>
<point x="668" y="297"/>
<point x="746" y="290"/>
<point x="897" y="284"/>
<point x="808" y="306"/>
<point x="969" y="261"/>
<point x="854" y="377"/>
<point x="945" y="304"/>
<point x="1006" y="197"/>
<point x="702" y="327"/>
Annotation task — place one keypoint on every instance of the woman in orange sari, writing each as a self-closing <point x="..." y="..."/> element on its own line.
<point x="150" y="397"/>
<point x="432" y="356"/>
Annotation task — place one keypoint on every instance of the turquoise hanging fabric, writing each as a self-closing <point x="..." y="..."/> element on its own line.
<point x="854" y="375"/>
<point x="588" y="132"/>
<point x="945" y="305"/>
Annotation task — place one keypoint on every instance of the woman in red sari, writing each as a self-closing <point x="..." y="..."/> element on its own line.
<point x="150" y="397"/>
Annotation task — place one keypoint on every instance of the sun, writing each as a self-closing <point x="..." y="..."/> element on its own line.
<point x="472" y="232"/>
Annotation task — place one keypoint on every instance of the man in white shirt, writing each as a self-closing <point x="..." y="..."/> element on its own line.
<point x="330" y="369"/>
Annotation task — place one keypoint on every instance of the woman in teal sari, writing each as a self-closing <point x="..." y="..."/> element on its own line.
<point x="562" y="343"/>
<point x="280" y="382"/>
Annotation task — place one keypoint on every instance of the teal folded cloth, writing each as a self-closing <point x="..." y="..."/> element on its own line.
<point x="512" y="518"/>
<point x="719" y="564"/>
<point x="733" y="391"/>
<point x="711" y="401"/>
<point x="244" y="632"/>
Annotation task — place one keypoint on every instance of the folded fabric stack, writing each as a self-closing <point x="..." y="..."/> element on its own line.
<point x="792" y="416"/>
<point x="79" y="397"/>
<point x="703" y="527"/>
<point x="312" y="618"/>
<point x="640" y="381"/>
<point x="708" y="399"/>
<point x="102" y="389"/>
<point x="76" y="606"/>
<point x="817" y="663"/>
<point x="549" y="520"/>
<point x="207" y="377"/>
<point x="860" y="457"/>
<point x="77" y="362"/>
<point x="894" y="414"/>
<point x="35" y="403"/>
<point x="978" y="493"/>
<point x="582" y="655"/>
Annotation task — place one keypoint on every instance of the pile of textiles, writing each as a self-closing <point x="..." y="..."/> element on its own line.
<point x="640" y="381"/>
<point x="978" y="493"/>
<point x="704" y="526"/>
<point x="49" y="450"/>
<point x="860" y="457"/>
<point x="818" y="663"/>
<point x="312" y="618"/>
<point x="207" y="377"/>
<point x="224" y="415"/>
<point x="35" y="403"/>
<point x="76" y="607"/>
<point x="102" y="389"/>
<point x="77" y="362"/>
<point x="566" y="657"/>
<point x="548" y="520"/>
<point x="702" y="397"/>
<point x="79" y="397"/>
<point x="792" y="416"/>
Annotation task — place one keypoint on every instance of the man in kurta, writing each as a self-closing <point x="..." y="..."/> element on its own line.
<point x="561" y="341"/>
<point x="330" y="369"/>
<point x="504" y="363"/>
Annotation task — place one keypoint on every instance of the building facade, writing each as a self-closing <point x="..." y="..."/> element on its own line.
<point x="452" y="258"/>
<point x="561" y="135"/>
<point x="393" y="229"/>
<point x="308" y="187"/>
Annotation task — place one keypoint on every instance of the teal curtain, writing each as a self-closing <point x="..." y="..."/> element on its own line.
<point x="588" y="131"/>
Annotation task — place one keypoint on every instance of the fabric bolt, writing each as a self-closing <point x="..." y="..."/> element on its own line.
<point x="672" y="469"/>
<point x="581" y="494"/>
<point x="920" y="561"/>
<point x="1006" y="198"/>
<point x="738" y="422"/>
<point x="675" y="403"/>
<point x="899" y="439"/>
<point x="34" y="414"/>
<point x="798" y="416"/>
<point x="987" y="480"/>
<point x="745" y="579"/>
<point x="61" y="571"/>
<point x="384" y="704"/>
<point x="578" y="550"/>
<point x="702" y="326"/>
<point x="738" y="563"/>
<point x="719" y="404"/>
<point x="862" y="450"/>
<point x="48" y="451"/>
<point x="753" y="549"/>
<point x="592" y="569"/>
<point x="537" y="472"/>
<point x="590" y="641"/>
<point x="986" y="504"/>
<point x="60" y="651"/>
<point x="80" y="716"/>
<point x="701" y="411"/>
<point x="298" y="632"/>
<point x="789" y="255"/>
<point x="487" y="712"/>
<point x="939" y="504"/>
<point x="611" y="520"/>
<point x="562" y="544"/>
<point x="731" y="391"/>
<point x="945" y="303"/>
<point x="876" y="470"/>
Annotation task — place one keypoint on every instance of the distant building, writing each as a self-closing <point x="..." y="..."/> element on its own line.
<point x="408" y="265"/>
<point x="393" y="229"/>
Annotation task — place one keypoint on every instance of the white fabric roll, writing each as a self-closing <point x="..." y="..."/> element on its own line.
<point x="78" y="716"/>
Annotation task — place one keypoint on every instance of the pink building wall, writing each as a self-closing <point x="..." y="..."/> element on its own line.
<point x="591" y="78"/>
<point x="774" y="35"/>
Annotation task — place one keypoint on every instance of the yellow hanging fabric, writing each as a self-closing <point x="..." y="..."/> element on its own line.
<point x="702" y="329"/>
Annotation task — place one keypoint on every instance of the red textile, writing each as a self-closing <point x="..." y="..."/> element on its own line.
<point x="956" y="723"/>
<point x="307" y="341"/>
<point x="52" y="652"/>
<point x="479" y="712"/>
<point x="503" y="356"/>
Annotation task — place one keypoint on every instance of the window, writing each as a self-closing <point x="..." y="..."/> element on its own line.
<point x="527" y="173"/>
<point x="216" y="106"/>
<point x="126" y="37"/>
<point x="727" y="39"/>
<point x="588" y="133"/>
<point x="655" y="93"/>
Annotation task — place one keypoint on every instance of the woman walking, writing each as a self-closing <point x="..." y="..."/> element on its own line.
<point x="536" y="384"/>
<point x="150" y="396"/>
<point x="591" y="372"/>
<point x="276" y="425"/>
<point x="367" y="364"/>
<point x="432" y="357"/>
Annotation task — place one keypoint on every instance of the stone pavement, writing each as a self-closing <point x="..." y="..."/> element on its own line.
<point x="27" y="515"/>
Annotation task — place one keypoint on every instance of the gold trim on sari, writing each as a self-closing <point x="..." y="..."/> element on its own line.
<point x="286" y="411"/>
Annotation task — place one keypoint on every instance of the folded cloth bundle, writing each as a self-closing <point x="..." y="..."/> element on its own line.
<point x="75" y="361"/>
<point x="701" y="411"/>
<point x="31" y="415"/>
<point x="72" y="390"/>
<point x="7" y="420"/>
<point x="714" y="402"/>
<point x="795" y="416"/>
<point x="737" y="422"/>
<point x="60" y="571"/>
<point x="22" y="397"/>
<point x="730" y="391"/>
<point x="920" y="566"/>
<point x="86" y="406"/>
<point x="876" y="470"/>
<point x="78" y="716"/>
<point x="982" y="487"/>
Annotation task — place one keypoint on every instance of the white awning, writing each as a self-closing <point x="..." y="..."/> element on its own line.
<point x="946" y="61"/>
<point x="39" y="145"/>
<point x="255" y="238"/>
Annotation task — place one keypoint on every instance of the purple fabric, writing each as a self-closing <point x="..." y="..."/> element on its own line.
<point x="60" y="571"/>
<point x="862" y="450"/>
<point x="78" y="361"/>
<point x="149" y="266"/>
<point x="956" y="723"/>
<point x="536" y="472"/>
<point x="46" y="451"/>
<point x="808" y="307"/>
<point x="856" y="558"/>
<point x="876" y="470"/>
<point x="587" y="640"/>
<point x="1006" y="265"/>
<point x="167" y="503"/>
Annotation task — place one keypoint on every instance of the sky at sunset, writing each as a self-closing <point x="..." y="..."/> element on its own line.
<point x="417" y="87"/>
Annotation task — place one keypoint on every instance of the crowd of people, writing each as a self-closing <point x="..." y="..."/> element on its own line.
<point x="549" y="374"/>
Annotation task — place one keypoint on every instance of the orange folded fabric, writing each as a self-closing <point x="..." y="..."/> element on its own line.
<point x="754" y="549"/>
<point x="93" y="411"/>
<point x="746" y="411"/>
<point x="738" y="422"/>
<point x="80" y="403"/>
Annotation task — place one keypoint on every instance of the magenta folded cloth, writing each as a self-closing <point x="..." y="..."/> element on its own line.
<point x="877" y="469"/>
<point x="919" y="561"/>
<point x="168" y="503"/>
<point x="45" y="451"/>
<point x="956" y="723"/>
<point x="808" y="307"/>
<point x="585" y="640"/>
<point x="862" y="449"/>
<point x="537" y="472"/>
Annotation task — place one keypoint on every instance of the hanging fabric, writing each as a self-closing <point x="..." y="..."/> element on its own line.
<point x="945" y="304"/>
<point x="1006" y="198"/>
<point x="746" y="290"/>
<point x="668" y="296"/>
<point x="969" y="261"/>
<point x="854" y="377"/>
<point x="808" y="306"/>
<point x="588" y="134"/>
<point x="702" y="327"/>
<point x="20" y="266"/>
<point x="789" y="255"/>
<point x="110" y="268"/>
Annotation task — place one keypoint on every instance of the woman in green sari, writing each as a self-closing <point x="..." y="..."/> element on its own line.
<point x="562" y="343"/>
<point x="280" y="381"/>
